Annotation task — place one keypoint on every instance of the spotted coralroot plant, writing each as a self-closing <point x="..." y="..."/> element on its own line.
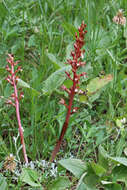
<point x="14" y="99"/>
<point x="75" y="63"/>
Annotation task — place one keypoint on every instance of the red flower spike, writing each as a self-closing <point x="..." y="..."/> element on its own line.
<point x="13" y="79"/>
<point x="75" y="62"/>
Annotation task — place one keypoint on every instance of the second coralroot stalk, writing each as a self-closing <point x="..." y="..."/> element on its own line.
<point x="75" y="63"/>
<point x="14" y="99"/>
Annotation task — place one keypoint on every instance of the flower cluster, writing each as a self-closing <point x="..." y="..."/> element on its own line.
<point x="75" y="62"/>
<point x="12" y="78"/>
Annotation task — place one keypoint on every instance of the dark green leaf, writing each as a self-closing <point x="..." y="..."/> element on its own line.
<point x="55" y="80"/>
<point x="98" y="169"/>
<point x="30" y="177"/>
<point x="76" y="166"/>
<point x="61" y="183"/>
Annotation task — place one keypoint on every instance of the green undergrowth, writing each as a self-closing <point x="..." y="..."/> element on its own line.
<point x="41" y="33"/>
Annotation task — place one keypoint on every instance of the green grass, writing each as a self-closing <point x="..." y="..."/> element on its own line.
<point x="40" y="33"/>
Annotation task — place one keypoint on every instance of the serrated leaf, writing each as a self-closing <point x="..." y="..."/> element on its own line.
<point x="76" y="166"/>
<point x="61" y="183"/>
<point x="97" y="83"/>
<point x="30" y="177"/>
<point x="55" y="80"/>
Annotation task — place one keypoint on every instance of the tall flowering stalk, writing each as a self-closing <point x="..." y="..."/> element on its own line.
<point x="75" y="63"/>
<point x="14" y="99"/>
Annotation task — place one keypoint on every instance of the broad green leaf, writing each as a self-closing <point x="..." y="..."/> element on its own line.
<point x="120" y="145"/>
<point x="98" y="169"/>
<point x="82" y="186"/>
<point x="102" y="158"/>
<point x="76" y="166"/>
<point x="3" y="183"/>
<point x="91" y="180"/>
<point x="30" y="177"/>
<point x="120" y="160"/>
<point x="113" y="186"/>
<point x="97" y="83"/>
<point x="103" y="152"/>
<point x="23" y="84"/>
<point x="120" y="173"/>
<point x="61" y="183"/>
<point x="117" y="160"/>
<point x="54" y="60"/>
<point x="55" y="80"/>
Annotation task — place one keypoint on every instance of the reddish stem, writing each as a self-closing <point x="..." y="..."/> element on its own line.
<point x="18" y="114"/>
<point x="65" y="125"/>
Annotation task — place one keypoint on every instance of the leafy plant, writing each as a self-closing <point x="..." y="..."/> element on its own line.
<point x="106" y="173"/>
<point x="14" y="99"/>
<point x="75" y="63"/>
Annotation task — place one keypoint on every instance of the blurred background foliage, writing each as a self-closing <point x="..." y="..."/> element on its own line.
<point x="41" y="33"/>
